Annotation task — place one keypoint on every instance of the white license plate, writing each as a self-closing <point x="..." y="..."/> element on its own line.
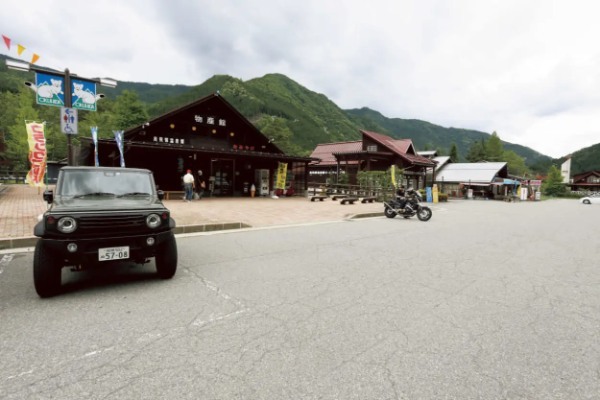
<point x="113" y="253"/>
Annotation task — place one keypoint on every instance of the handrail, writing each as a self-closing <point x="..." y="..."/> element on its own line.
<point x="378" y="192"/>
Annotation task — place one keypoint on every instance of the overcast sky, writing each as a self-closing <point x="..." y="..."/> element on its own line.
<point x="526" y="69"/>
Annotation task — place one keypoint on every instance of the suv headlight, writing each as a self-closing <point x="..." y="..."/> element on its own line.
<point x="66" y="224"/>
<point x="153" y="221"/>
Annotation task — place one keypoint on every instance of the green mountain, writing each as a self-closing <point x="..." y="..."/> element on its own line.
<point x="314" y="119"/>
<point x="311" y="117"/>
<point x="426" y="135"/>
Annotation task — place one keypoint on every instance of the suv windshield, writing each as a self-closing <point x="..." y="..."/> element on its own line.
<point x="82" y="183"/>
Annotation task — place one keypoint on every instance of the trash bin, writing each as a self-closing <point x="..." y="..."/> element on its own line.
<point x="538" y="195"/>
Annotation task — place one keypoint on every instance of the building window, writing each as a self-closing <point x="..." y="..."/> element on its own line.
<point x="372" y="147"/>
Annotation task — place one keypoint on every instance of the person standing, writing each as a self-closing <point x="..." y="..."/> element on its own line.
<point x="201" y="184"/>
<point x="188" y="185"/>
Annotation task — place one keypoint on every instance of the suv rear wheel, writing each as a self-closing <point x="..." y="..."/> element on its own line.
<point x="46" y="271"/>
<point x="166" y="259"/>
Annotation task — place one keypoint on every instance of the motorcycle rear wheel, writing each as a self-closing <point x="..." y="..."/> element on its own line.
<point x="389" y="212"/>
<point x="424" y="214"/>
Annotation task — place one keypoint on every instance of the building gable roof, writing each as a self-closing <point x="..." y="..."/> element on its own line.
<point x="483" y="172"/>
<point x="441" y="161"/>
<point x="428" y="153"/>
<point x="584" y="175"/>
<point x="403" y="148"/>
<point x="325" y="151"/>
<point x="209" y="106"/>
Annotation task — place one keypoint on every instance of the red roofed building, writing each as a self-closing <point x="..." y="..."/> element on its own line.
<point x="375" y="152"/>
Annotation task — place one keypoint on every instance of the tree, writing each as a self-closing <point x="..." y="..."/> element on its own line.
<point x="129" y="111"/>
<point x="477" y="152"/>
<point x="454" y="153"/>
<point x="516" y="164"/>
<point x="103" y="119"/>
<point x="276" y="129"/>
<point x="17" y="146"/>
<point x="553" y="184"/>
<point x="494" y="149"/>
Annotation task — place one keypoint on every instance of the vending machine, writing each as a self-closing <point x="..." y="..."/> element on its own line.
<point x="262" y="182"/>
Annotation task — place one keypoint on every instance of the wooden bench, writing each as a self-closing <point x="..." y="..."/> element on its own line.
<point x="349" y="200"/>
<point x="178" y="194"/>
<point x="339" y="196"/>
<point x="318" y="197"/>
<point x="368" y="199"/>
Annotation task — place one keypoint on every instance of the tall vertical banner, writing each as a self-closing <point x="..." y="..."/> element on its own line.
<point x="95" y="139"/>
<point x="393" y="175"/>
<point x="281" y="175"/>
<point x="119" y="140"/>
<point x="37" y="154"/>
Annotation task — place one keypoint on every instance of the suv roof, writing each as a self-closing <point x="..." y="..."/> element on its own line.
<point x="66" y="168"/>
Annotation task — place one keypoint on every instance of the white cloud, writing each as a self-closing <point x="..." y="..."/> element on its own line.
<point x="527" y="70"/>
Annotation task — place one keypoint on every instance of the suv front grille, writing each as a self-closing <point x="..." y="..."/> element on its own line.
<point x="113" y="223"/>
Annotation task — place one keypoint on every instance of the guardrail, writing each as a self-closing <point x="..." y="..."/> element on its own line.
<point x="12" y="178"/>
<point x="9" y="175"/>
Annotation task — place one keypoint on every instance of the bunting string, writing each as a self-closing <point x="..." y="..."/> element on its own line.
<point x="20" y="49"/>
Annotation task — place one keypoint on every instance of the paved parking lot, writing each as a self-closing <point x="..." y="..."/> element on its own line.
<point x="487" y="300"/>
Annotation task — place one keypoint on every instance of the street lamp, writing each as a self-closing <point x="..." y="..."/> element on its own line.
<point x="68" y="103"/>
<point x="18" y="65"/>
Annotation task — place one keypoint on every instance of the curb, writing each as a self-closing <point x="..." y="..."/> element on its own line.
<point x="17" y="243"/>
<point x="30" y="241"/>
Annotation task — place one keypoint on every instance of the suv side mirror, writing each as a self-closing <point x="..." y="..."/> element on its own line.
<point x="48" y="196"/>
<point x="160" y="194"/>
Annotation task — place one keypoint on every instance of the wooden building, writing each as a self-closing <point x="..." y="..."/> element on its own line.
<point x="588" y="181"/>
<point x="375" y="152"/>
<point x="209" y="137"/>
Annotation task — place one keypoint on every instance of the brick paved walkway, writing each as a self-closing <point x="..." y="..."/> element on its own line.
<point x="20" y="206"/>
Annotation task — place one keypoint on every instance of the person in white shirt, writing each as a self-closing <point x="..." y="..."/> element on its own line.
<point x="188" y="185"/>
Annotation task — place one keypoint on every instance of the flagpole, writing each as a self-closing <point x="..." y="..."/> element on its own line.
<point x="68" y="104"/>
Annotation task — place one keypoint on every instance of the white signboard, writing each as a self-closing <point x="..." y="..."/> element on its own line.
<point x="68" y="120"/>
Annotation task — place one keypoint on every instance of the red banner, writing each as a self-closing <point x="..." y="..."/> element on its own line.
<point x="37" y="154"/>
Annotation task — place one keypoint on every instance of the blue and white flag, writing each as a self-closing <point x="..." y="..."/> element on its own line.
<point x="95" y="139"/>
<point x="119" y="140"/>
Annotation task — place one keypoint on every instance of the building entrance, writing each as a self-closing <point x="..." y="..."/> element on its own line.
<point x="222" y="177"/>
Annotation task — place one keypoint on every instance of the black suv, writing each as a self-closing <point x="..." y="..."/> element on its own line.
<point x="101" y="215"/>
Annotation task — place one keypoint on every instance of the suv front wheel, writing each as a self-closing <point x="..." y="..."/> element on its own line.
<point x="46" y="271"/>
<point x="166" y="259"/>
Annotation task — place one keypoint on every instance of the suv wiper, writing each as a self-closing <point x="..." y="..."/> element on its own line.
<point x="94" y="194"/>
<point x="134" y="194"/>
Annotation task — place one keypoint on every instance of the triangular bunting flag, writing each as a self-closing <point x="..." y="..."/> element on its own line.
<point x="20" y="49"/>
<point x="34" y="58"/>
<point x="6" y="41"/>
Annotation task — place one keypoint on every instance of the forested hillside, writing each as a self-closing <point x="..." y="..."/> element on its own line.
<point x="314" y="119"/>
<point x="295" y="116"/>
<point x="584" y="160"/>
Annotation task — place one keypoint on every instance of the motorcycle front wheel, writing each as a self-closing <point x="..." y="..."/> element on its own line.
<point x="389" y="212"/>
<point x="424" y="214"/>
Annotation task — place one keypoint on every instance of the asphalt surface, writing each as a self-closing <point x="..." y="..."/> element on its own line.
<point x="487" y="300"/>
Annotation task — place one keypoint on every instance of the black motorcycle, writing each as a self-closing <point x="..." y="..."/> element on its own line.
<point x="407" y="205"/>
